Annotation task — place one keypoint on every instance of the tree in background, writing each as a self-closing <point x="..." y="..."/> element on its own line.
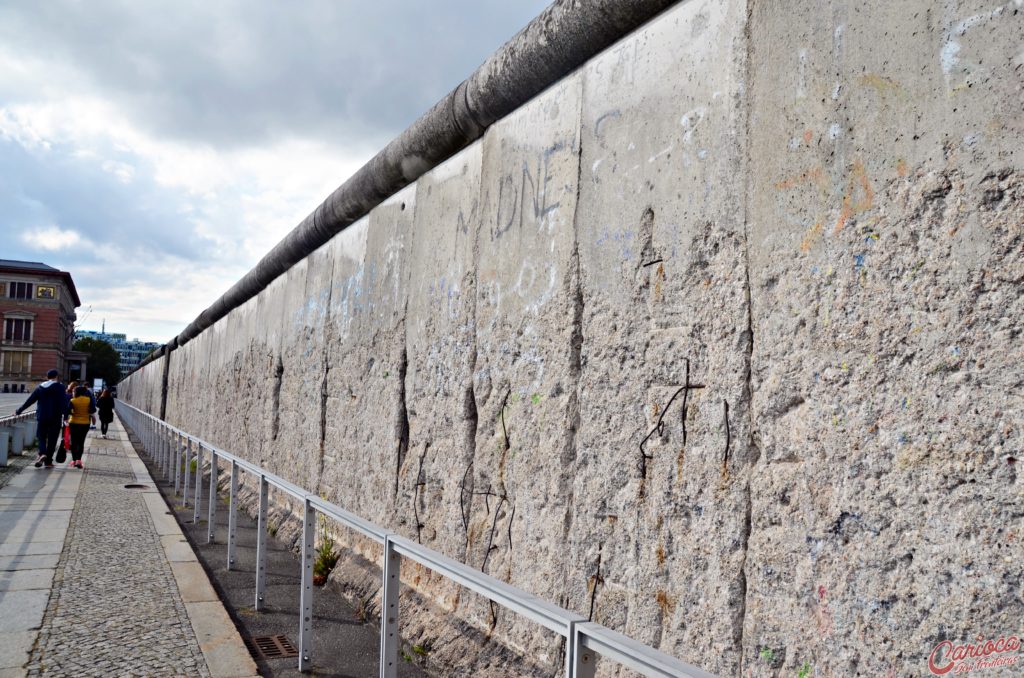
<point x="104" y="361"/>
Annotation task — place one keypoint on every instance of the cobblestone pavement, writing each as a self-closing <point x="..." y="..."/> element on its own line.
<point x="114" y="609"/>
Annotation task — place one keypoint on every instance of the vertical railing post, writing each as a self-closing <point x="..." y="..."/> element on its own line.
<point x="211" y="505"/>
<point x="165" y="437"/>
<point x="389" y="611"/>
<point x="232" y="514"/>
<point x="199" y="484"/>
<point x="580" y="662"/>
<point x="306" y="596"/>
<point x="185" y="471"/>
<point x="261" y="544"/>
<point x="176" y="446"/>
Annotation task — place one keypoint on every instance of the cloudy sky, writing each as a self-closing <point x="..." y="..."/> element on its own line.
<point x="157" y="150"/>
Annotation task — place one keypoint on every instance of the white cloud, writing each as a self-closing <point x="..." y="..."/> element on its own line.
<point x="51" y="239"/>
<point x="166" y="151"/>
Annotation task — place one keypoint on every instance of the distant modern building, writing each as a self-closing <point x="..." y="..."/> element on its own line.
<point x="131" y="352"/>
<point x="37" y="305"/>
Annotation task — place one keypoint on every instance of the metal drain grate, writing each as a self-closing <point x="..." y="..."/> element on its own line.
<point x="271" y="647"/>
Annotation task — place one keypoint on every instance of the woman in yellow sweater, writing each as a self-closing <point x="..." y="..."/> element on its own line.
<point x="82" y="414"/>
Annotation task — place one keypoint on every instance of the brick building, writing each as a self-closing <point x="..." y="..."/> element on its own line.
<point x="37" y="307"/>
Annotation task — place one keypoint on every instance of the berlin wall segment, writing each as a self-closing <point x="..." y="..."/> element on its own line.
<point x="779" y="245"/>
<point x="885" y="243"/>
<point x="659" y="529"/>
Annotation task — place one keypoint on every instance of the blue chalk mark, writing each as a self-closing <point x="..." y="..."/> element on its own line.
<point x="858" y="261"/>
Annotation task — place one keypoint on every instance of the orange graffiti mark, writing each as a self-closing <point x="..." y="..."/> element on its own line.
<point x="901" y="167"/>
<point x="808" y="135"/>
<point x="811" y="236"/>
<point x="858" y="177"/>
<point x="816" y="176"/>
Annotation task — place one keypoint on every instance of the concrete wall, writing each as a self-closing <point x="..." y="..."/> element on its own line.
<point x="716" y="341"/>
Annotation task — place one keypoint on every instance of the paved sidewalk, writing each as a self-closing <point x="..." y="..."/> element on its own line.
<point x="96" y="579"/>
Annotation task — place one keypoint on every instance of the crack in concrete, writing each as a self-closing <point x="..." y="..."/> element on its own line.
<point x="741" y="614"/>
<point x="420" y="482"/>
<point x="275" y="418"/>
<point x="595" y="581"/>
<point x="570" y="453"/>
<point x="402" y="425"/>
<point x="472" y="418"/>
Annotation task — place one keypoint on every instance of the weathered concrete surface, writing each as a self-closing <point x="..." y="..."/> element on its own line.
<point x="659" y="527"/>
<point x="886" y="271"/>
<point x="811" y="216"/>
<point x="526" y="363"/>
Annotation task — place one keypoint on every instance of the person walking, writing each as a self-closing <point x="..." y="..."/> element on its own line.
<point x="105" y="405"/>
<point x="83" y="413"/>
<point x="51" y="407"/>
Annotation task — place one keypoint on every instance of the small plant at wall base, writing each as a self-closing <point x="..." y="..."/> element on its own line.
<point x="326" y="556"/>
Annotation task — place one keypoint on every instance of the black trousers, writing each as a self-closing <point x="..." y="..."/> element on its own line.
<point x="48" y="431"/>
<point x="103" y="426"/>
<point x="78" y="433"/>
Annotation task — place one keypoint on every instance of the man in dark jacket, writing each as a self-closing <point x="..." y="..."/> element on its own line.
<point x="52" y="407"/>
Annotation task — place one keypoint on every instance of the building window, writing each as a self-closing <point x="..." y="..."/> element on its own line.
<point x="46" y="292"/>
<point x="19" y="290"/>
<point x="17" y="329"/>
<point x="17" y="362"/>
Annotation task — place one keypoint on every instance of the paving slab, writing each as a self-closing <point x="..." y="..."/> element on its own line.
<point x="22" y="504"/>
<point x="177" y="549"/>
<point x="163" y="519"/>
<point x="33" y="562"/>
<point x="31" y="548"/>
<point x="30" y="533"/>
<point x="26" y="580"/>
<point x="22" y="610"/>
<point x="193" y="583"/>
<point x="15" y="647"/>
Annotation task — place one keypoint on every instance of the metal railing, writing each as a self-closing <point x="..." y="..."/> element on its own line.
<point x="173" y="450"/>
<point x="12" y="419"/>
<point x="22" y="431"/>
